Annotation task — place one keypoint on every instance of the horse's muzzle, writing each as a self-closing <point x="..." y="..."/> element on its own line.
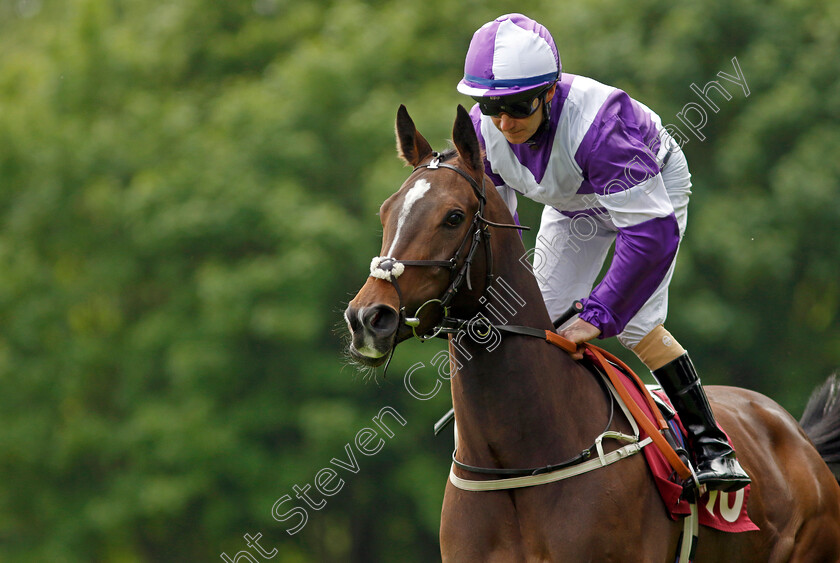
<point x="373" y="330"/>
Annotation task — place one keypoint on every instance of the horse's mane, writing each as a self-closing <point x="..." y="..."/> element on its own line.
<point x="451" y="152"/>
<point x="448" y="153"/>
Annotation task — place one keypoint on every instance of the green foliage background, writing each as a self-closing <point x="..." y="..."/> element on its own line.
<point x="188" y="197"/>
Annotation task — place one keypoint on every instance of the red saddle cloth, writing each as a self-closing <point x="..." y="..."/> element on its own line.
<point x="723" y="511"/>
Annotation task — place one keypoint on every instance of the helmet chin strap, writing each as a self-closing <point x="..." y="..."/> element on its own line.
<point x="546" y="109"/>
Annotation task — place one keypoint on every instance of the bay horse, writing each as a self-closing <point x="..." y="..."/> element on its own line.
<point x="520" y="402"/>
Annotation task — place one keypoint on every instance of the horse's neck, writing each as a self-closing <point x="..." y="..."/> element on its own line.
<point x="518" y="400"/>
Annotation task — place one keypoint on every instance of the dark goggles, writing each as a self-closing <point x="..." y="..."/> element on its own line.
<point x="518" y="106"/>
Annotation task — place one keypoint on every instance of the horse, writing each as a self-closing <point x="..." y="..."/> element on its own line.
<point x="449" y="251"/>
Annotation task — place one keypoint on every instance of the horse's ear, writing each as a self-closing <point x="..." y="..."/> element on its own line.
<point x="466" y="141"/>
<point x="411" y="146"/>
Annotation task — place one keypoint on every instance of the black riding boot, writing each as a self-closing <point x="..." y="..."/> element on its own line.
<point x="716" y="467"/>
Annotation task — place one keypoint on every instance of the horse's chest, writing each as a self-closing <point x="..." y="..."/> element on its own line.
<point x="548" y="523"/>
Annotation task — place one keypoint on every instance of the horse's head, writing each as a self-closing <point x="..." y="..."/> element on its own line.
<point x="432" y="231"/>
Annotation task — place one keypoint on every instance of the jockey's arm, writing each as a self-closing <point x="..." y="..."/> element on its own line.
<point x="628" y="183"/>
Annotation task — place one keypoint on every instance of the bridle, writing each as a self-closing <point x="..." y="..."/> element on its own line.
<point x="390" y="268"/>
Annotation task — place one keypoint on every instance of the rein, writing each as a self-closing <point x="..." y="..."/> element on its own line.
<point x="606" y="364"/>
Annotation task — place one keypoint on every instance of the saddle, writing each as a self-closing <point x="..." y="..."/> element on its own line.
<point x="649" y="410"/>
<point x="726" y="512"/>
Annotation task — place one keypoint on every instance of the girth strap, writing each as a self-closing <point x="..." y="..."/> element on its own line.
<point x="544" y="478"/>
<point x="607" y="362"/>
<point x="603" y="358"/>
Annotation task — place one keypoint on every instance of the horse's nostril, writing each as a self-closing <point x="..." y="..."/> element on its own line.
<point x="381" y="320"/>
<point x="351" y="315"/>
<point x="375" y="319"/>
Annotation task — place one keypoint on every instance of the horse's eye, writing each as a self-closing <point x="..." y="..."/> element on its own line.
<point x="454" y="218"/>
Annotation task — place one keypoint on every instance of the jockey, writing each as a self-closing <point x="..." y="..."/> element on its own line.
<point x="607" y="172"/>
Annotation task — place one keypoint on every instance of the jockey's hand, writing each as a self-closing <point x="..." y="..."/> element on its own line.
<point x="578" y="332"/>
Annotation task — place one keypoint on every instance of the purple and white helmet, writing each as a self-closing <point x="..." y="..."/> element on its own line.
<point x="509" y="55"/>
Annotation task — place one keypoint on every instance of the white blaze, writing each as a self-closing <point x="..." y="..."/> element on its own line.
<point x="413" y="196"/>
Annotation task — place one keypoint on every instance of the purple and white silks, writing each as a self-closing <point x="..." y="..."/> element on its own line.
<point x="599" y="156"/>
<point x="510" y="54"/>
